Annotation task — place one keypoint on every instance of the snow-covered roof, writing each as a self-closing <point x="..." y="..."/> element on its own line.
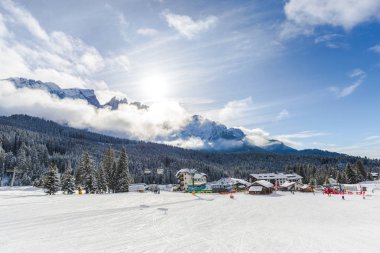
<point x="263" y="183"/>
<point x="287" y="184"/>
<point x="255" y="189"/>
<point x="186" y="170"/>
<point x="231" y="181"/>
<point x="267" y="176"/>
<point x="199" y="175"/>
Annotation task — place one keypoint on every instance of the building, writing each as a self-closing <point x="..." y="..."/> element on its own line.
<point x="261" y="187"/>
<point x="290" y="186"/>
<point x="276" y="178"/>
<point x="230" y="183"/>
<point x="189" y="178"/>
<point x="375" y="175"/>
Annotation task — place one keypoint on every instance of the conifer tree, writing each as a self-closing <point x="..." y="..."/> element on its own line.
<point x="123" y="172"/>
<point x="68" y="182"/>
<point x="351" y="175"/>
<point x="108" y="169"/>
<point x="51" y="182"/>
<point x="101" y="181"/>
<point x="87" y="170"/>
<point x="362" y="174"/>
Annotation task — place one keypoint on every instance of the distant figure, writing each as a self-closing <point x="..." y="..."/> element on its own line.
<point x="158" y="190"/>
<point x="343" y="197"/>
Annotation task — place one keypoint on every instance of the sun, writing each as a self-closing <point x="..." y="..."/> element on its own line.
<point x="155" y="86"/>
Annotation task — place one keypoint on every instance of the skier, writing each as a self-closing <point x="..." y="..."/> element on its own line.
<point x="343" y="197"/>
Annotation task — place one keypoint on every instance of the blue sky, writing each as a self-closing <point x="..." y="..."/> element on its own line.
<point x="302" y="71"/>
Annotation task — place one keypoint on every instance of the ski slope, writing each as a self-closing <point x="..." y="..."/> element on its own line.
<point x="136" y="222"/>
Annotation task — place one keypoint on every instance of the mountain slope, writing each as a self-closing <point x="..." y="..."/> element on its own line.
<point x="40" y="142"/>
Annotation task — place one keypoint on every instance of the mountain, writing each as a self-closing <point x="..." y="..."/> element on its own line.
<point x="41" y="142"/>
<point x="278" y="147"/>
<point x="210" y="135"/>
<point x="114" y="103"/>
<point x="52" y="88"/>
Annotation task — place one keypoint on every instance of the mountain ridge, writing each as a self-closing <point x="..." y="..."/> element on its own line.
<point x="214" y="136"/>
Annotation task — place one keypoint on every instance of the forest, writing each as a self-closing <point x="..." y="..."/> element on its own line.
<point x="30" y="145"/>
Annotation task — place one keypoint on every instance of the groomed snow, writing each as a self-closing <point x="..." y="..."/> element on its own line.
<point x="136" y="222"/>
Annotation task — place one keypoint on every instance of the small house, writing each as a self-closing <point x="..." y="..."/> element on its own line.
<point x="261" y="187"/>
<point x="306" y="188"/>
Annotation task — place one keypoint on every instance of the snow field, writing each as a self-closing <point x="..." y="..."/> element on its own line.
<point x="132" y="222"/>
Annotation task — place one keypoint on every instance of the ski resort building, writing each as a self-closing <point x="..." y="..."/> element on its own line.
<point x="261" y="187"/>
<point x="290" y="186"/>
<point x="276" y="178"/>
<point x="190" y="178"/>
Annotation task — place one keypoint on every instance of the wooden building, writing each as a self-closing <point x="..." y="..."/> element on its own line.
<point x="261" y="187"/>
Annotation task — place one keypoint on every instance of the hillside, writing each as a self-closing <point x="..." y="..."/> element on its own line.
<point x="34" y="143"/>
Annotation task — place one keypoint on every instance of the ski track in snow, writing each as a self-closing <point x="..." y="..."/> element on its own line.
<point x="282" y="223"/>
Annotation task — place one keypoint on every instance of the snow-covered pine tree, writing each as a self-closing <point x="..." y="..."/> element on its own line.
<point x="115" y="177"/>
<point x="87" y="169"/>
<point x="362" y="174"/>
<point x="68" y="181"/>
<point x="108" y="169"/>
<point x="123" y="172"/>
<point x="352" y="177"/>
<point x="2" y="163"/>
<point x="101" y="181"/>
<point x="51" y="181"/>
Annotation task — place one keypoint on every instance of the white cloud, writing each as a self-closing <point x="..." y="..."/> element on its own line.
<point x="149" y="32"/>
<point x="284" y="114"/>
<point x="3" y="28"/>
<point x="373" y="137"/>
<point x="291" y="139"/>
<point x="375" y="48"/>
<point x="256" y="136"/>
<point x="231" y="112"/>
<point x="53" y="56"/>
<point x="340" y="13"/>
<point x="348" y="90"/>
<point x="188" y="27"/>
<point x="160" y="120"/>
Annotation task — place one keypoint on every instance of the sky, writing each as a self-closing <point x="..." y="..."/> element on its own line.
<point x="305" y="72"/>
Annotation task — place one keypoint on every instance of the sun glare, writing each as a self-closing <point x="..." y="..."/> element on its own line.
<point x="155" y="86"/>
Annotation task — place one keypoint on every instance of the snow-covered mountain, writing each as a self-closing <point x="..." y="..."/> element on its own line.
<point x="114" y="103"/>
<point x="52" y="88"/>
<point x="212" y="135"/>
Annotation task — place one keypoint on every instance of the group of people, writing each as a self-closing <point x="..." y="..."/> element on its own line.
<point x="156" y="189"/>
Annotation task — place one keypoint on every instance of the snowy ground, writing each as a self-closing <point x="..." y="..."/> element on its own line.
<point x="33" y="222"/>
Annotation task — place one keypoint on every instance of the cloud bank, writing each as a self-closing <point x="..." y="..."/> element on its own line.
<point x="49" y="56"/>
<point x="161" y="119"/>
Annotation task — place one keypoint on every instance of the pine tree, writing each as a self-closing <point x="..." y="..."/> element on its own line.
<point x="108" y="169"/>
<point x="101" y="181"/>
<point x="68" y="182"/>
<point x="352" y="177"/>
<point x="123" y="172"/>
<point x="362" y="174"/>
<point x="51" y="182"/>
<point x="87" y="171"/>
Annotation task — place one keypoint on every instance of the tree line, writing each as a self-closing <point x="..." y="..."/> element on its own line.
<point x="111" y="177"/>
<point x="352" y="173"/>
<point x="29" y="145"/>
